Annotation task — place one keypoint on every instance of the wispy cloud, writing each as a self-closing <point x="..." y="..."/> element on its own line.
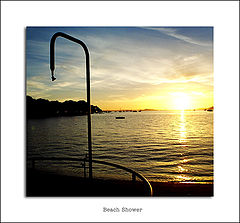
<point x="188" y="36"/>
<point x="125" y="62"/>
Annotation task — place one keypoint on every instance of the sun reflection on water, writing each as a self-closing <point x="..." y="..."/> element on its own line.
<point x="182" y="167"/>
<point x="183" y="177"/>
<point x="182" y="128"/>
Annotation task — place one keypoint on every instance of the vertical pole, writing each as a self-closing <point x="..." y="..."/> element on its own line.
<point x="33" y="164"/>
<point x="89" y="115"/>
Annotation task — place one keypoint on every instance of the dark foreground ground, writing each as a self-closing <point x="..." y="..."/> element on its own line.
<point x="42" y="184"/>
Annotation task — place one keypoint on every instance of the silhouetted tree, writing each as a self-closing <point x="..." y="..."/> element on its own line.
<point x="42" y="108"/>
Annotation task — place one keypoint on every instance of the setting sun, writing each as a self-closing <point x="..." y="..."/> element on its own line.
<point x="181" y="101"/>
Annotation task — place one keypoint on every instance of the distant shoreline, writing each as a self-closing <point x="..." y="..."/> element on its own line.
<point x="142" y="110"/>
<point x="42" y="108"/>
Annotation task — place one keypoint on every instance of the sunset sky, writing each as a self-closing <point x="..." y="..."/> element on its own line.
<point x="131" y="67"/>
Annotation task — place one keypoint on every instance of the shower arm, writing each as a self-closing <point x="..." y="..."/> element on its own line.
<point x="52" y="68"/>
<point x="52" y="52"/>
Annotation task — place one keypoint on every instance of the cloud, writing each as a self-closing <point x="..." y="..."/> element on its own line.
<point x="125" y="63"/>
<point x="201" y="36"/>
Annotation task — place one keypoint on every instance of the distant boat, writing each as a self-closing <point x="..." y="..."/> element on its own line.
<point x="209" y="109"/>
<point x="120" y="117"/>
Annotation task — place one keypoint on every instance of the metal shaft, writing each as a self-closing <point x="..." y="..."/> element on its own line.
<point x="52" y="67"/>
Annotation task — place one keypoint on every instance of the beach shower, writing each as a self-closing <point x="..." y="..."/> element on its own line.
<point x="52" y="68"/>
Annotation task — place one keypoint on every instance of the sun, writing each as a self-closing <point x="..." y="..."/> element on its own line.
<point x="181" y="101"/>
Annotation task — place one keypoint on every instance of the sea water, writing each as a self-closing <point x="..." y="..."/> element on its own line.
<point x="162" y="145"/>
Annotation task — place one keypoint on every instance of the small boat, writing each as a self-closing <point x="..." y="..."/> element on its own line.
<point x="120" y="117"/>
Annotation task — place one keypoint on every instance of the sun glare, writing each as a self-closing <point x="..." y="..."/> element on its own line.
<point x="181" y="101"/>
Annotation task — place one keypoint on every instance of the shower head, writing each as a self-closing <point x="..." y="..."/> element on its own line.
<point x="53" y="78"/>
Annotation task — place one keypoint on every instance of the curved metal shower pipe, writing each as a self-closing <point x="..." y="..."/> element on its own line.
<point x="52" y="68"/>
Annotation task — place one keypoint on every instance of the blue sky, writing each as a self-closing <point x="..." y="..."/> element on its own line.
<point x="131" y="67"/>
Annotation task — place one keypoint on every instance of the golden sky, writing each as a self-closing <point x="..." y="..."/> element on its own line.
<point x="131" y="67"/>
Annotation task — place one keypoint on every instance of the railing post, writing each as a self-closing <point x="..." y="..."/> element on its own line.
<point x="33" y="164"/>
<point x="84" y="166"/>
<point x="133" y="177"/>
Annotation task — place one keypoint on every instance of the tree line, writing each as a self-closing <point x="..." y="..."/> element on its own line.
<point x="42" y="108"/>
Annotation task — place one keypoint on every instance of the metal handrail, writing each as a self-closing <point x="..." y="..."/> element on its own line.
<point x="134" y="173"/>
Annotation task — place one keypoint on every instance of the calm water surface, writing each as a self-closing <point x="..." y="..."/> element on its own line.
<point x="163" y="146"/>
